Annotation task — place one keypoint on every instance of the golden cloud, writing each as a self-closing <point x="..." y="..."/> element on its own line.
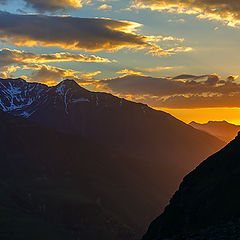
<point x="129" y="72"/>
<point x="90" y="34"/>
<point x="104" y="7"/>
<point x="16" y="57"/>
<point x="220" y="10"/>
<point x="48" y="74"/>
<point x="51" y="75"/>
<point x="155" y="69"/>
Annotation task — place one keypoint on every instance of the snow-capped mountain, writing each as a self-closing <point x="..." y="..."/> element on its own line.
<point x="165" y="143"/>
<point x="162" y="149"/>
<point x="19" y="97"/>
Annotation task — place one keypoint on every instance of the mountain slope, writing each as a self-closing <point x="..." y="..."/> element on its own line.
<point x="62" y="186"/>
<point x="207" y="202"/>
<point x="166" y="149"/>
<point x="220" y="129"/>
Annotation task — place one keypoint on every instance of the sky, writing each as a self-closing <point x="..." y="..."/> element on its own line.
<point x="180" y="56"/>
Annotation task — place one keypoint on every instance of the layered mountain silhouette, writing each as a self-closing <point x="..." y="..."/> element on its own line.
<point x="206" y="206"/>
<point x="220" y="129"/>
<point x="89" y="163"/>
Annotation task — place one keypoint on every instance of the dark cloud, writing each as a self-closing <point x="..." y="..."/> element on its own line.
<point x="54" y="5"/>
<point x="220" y="10"/>
<point x="184" y="91"/>
<point x="69" y="32"/>
<point x="92" y="34"/>
<point x="144" y="85"/>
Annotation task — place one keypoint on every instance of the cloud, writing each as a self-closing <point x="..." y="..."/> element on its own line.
<point x="227" y="11"/>
<point x="16" y="57"/>
<point x="128" y="72"/>
<point x="49" y="75"/>
<point x="184" y="91"/>
<point x="6" y="71"/>
<point x="52" y="5"/>
<point x="105" y="7"/>
<point x="90" y="75"/>
<point x="90" y="34"/>
<point x="155" y="69"/>
<point x="181" y="20"/>
<point x="12" y="60"/>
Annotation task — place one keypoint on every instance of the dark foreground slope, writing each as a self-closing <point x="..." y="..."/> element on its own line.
<point x="166" y="147"/>
<point x="57" y="186"/>
<point x="207" y="204"/>
<point x="220" y="129"/>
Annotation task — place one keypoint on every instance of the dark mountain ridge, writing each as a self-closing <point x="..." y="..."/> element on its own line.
<point x="129" y="149"/>
<point x="104" y="118"/>
<point x="206" y="206"/>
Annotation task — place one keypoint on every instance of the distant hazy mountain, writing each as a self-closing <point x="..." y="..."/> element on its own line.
<point x="220" y="129"/>
<point x="206" y="206"/>
<point x="162" y="148"/>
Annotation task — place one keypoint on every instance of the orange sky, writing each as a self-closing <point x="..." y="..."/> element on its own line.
<point x="203" y="115"/>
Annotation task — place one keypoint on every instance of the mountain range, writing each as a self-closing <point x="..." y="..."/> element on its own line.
<point x="220" y="129"/>
<point x="63" y="186"/>
<point x="206" y="206"/>
<point x="84" y="164"/>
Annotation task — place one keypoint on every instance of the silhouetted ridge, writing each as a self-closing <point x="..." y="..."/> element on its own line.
<point x="207" y="202"/>
<point x="164" y="148"/>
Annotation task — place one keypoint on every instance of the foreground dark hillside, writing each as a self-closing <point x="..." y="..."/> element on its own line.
<point x="62" y="186"/>
<point x="207" y="203"/>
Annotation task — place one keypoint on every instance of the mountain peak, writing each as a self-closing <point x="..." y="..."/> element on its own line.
<point x="69" y="83"/>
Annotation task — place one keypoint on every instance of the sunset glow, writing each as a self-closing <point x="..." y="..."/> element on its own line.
<point x="232" y="115"/>
<point x="182" y="58"/>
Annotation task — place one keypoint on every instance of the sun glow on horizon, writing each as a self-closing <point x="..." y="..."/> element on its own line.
<point x="203" y="115"/>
